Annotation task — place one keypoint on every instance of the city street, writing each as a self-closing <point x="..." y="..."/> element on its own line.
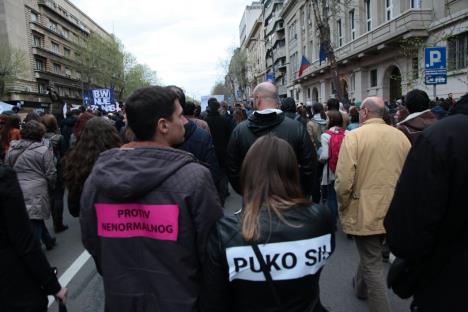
<point x="86" y="290"/>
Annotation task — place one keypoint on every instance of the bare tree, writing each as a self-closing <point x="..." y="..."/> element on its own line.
<point x="12" y="64"/>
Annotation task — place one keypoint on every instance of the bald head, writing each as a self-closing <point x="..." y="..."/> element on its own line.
<point x="375" y="106"/>
<point x="266" y="96"/>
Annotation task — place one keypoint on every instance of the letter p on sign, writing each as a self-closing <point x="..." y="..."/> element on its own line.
<point x="434" y="57"/>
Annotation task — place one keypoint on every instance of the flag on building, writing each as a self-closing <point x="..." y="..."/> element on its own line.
<point x="304" y="64"/>
<point x="322" y="54"/>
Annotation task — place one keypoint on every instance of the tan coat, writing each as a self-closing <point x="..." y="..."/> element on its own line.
<point x="370" y="162"/>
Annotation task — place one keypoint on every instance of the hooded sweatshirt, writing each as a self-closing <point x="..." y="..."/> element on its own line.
<point x="265" y="122"/>
<point x="145" y="217"/>
<point x="415" y="123"/>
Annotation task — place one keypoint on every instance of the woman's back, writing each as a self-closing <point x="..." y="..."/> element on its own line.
<point x="295" y="249"/>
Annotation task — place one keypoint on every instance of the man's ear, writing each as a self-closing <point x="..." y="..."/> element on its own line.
<point x="162" y="126"/>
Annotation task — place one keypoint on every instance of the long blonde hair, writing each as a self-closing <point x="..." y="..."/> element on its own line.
<point x="270" y="180"/>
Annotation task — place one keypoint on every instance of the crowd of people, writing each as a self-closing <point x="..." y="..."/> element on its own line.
<point x="149" y="185"/>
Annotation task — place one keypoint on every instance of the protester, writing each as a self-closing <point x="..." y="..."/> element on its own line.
<point x="354" y="118"/>
<point x="35" y="167"/>
<point x="277" y="217"/>
<point x="56" y="142"/>
<point x="420" y="116"/>
<point x="269" y="119"/>
<point x="66" y="128"/>
<point x="199" y="143"/>
<point x="301" y="115"/>
<point x="97" y="136"/>
<point x="239" y="114"/>
<point x="288" y="106"/>
<point x="221" y="132"/>
<point x="189" y="113"/>
<point x="26" y="276"/>
<point x="80" y="123"/>
<point x="9" y="131"/>
<point x="370" y="162"/>
<point x="32" y="115"/>
<point x="401" y="114"/>
<point x="147" y="210"/>
<point x="331" y="142"/>
<point x="335" y="105"/>
<point x="427" y="223"/>
<point x="316" y="127"/>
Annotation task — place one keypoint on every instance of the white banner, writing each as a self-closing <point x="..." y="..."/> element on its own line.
<point x="286" y="260"/>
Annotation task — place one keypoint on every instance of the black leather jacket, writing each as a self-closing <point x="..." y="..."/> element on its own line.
<point x="245" y="134"/>
<point x="294" y="251"/>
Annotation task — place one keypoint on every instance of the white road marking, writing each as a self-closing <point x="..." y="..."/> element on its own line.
<point x="71" y="272"/>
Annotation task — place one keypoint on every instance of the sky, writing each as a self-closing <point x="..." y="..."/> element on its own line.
<point x="184" y="41"/>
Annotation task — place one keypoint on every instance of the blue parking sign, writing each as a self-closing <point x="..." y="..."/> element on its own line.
<point x="435" y="65"/>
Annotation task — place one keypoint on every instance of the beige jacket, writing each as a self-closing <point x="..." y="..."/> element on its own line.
<point x="370" y="162"/>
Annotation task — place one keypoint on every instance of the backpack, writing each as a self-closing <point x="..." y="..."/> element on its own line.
<point x="336" y="138"/>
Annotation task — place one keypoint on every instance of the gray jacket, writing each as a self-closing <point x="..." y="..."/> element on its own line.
<point x="145" y="216"/>
<point x="35" y="167"/>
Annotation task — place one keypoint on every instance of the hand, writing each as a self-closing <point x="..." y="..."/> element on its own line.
<point x="62" y="295"/>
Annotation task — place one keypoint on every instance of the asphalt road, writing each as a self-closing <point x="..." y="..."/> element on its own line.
<point x="86" y="289"/>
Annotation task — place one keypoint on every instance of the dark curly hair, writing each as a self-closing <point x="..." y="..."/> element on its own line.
<point x="97" y="136"/>
<point x="33" y="131"/>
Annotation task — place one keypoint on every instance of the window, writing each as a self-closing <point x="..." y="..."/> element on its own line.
<point x="416" y="4"/>
<point x="34" y="17"/>
<point x="458" y="52"/>
<point x="368" y="15"/>
<point x="353" y="82"/>
<point x="53" y="25"/>
<point x="340" y="33"/>
<point x="66" y="52"/>
<point x="57" y="68"/>
<point x="65" y="32"/>
<point x="373" y="78"/>
<point x="352" y="24"/>
<point x="36" y="41"/>
<point x="308" y="93"/>
<point x="388" y="9"/>
<point x="415" y="67"/>
<point x="41" y="88"/>
<point x="39" y="64"/>
<point x="55" y="47"/>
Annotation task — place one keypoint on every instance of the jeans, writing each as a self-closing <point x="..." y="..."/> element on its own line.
<point x="41" y="233"/>
<point x="370" y="280"/>
<point x="332" y="202"/>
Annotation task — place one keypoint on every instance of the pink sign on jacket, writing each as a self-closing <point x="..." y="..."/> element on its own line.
<point x="159" y="222"/>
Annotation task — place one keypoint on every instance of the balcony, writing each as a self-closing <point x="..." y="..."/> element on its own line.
<point x="56" y="57"/>
<point x="413" y="23"/>
<point x="279" y="52"/>
<point x="272" y="8"/>
<point x="57" y="78"/>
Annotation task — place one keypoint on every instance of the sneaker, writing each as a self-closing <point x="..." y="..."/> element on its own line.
<point x="60" y="228"/>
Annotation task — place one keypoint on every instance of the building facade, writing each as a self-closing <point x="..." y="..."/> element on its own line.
<point x="275" y="45"/>
<point x="255" y="48"/>
<point x="48" y="31"/>
<point x="248" y="21"/>
<point x="379" y="47"/>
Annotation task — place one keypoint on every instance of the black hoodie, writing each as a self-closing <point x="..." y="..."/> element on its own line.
<point x="145" y="217"/>
<point x="274" y="122"/>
